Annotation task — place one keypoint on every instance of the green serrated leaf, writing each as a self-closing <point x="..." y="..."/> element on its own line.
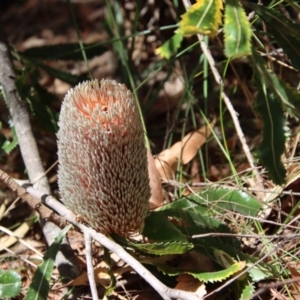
<point x="170" y="47"/>
<point x="247" y="291"/>
<point x="10" y="284"/>
<point x="257" y="272"/>
<point x="225" y="260"/>
<point x="203" y="17"/>
<point x="40" y="285"/>
<point x="221" y="199"/>
<point x="268" y="105"/>
<point x="63" y="52"/>
<point x="164" y="248"/>
<point x="10" y="145"/>
<point x="285" y="32"/>
<point x="237" y="30"/>
<point x="62" y="75"/>
<point x="220" y="275"/>
<point x="216" y="276"/>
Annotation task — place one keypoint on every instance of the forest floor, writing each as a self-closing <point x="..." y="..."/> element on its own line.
<point x="34" y="23"/>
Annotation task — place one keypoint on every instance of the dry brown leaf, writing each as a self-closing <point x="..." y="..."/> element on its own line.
<point x="188" y="283"/>
<point x="101" y="273"/>
<point x="19" y="233"/>
<point x="295" y="287"/>
<point x="183" y="151"/>
<point x="156" y="199"/>
<point x="195" y="261"/>
<point x="101" y="277"/>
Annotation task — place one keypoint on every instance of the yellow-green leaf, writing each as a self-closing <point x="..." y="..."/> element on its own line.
<point x="170" y="47"/>
<point x="214" y="276"/>
<point x="203" y="17"/>
<point x="237" y="30"/>
<point x="220" y="275"/>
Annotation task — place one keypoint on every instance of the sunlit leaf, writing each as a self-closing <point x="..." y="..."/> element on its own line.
<point x="257" y="271"/>
<point x="10" y="284"/>
<point x="11" y="144"/>
<point x="225" y="260"/>
<point x="216" y="276"/>
<point x="247" y="291"/>
<point x="221" y="275"/>
<point x="202" y="17"/>
<point x="230" y="199"/>
<point x="170" y="47"/>
<point x="163" y="248"/>
<point x="237" y="30"/>
<point x="260" y="272"/>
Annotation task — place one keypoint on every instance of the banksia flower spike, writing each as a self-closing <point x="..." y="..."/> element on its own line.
<point x="103" y="173"/>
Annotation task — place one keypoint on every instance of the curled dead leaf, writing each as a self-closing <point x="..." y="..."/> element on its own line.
<point x="101" y="277"/>
<point x="187" y="282"/>
<point x="183" y="151"/>
<point x="156" y="199"/>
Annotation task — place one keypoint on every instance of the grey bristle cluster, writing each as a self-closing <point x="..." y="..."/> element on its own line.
<point x="103" y="174"/>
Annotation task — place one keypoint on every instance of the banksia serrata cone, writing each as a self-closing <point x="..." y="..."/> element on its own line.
<point x="103" y="173"/>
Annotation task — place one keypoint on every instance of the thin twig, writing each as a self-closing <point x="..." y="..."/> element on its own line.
<point x="256" y="236"/>
<point x="268" y="286"/>
<point x="29" y="150"/>
<point x="165" y="292"/>
<point x="89" y="264"/>
<point x="21" y="120"/>
<point x="44" y="211"/>
<point x="27" y="245"/>
<point x="230" y="108"/>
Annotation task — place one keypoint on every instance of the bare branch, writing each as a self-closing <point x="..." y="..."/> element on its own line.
<point x="45" y="212"/>
<point x="27" y="143"/>
<point x="165" y="292"/>
<point x="89" y="264"/>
